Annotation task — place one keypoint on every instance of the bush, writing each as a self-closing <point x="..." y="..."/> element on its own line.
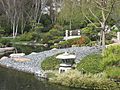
<point x="50" y="63"/>
<point x="54" y="46"/>
<point x="111" y="56"/>
<point x="1" y="44"/>
<point x="5" y="41"/>
<point x="27" y="36"/>
<point x="76" y="79"/>
<point x="53" y="36"/>
<point x="82" y="41"/>
<point x="91" y="63"/>
<point x="64" y="44"/>
<point x="113" y="72"/>
<point x="91" y="32"/>
<point x="96" y="63"/>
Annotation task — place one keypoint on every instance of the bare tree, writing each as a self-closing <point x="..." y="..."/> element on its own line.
<point x="104" y="7"/>
<point x="12" y="10"/>
<point x="19" y="12"/>
<point x="36" y="10"/>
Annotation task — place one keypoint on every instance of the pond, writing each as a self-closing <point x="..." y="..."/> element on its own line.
<point x="14" y="80"/>
<point x="27" y="49"/>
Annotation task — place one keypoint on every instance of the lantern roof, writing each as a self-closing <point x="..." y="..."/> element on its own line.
<point x="66" y="55"/>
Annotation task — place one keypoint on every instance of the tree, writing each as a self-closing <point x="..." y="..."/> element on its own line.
<point x="12" y="8"/>
<point x="70" y="13"/>
<point x="91" y="31"/>
<point x="101" y="10"/>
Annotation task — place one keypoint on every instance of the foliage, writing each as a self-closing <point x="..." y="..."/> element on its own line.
<point x="46" y="20"/>
<point x="91" y="31"/>
<point x="36" y="26"/>
<point x="54" y="46"/>
<point x="111" y="61"/>
<point x="50" y="63"/>
<point x="1" y="31"/>
<point x="97" y="63"/>
<point x="53" y="36"/>
<point x="70" y="15"/>
<point x="92" y="43"/>
<point x="5" y="41"/>
<point x="82" y="41"/>
<point x="111" y="56"/>
<point x="91" y="63"/>
<point x="76" y="79"/>
<point x="1" y="44"/>
<point x="27" y="49"/>
<point x="107" y="42"/>
<point x="63" y="44"/>
<point x="113" y="72"/>
<point x="50" y="74"/>
<point x="27" y="36"/>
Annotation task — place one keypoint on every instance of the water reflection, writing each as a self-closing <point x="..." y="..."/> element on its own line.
<point x="14" y="80"/>
<point x="27" y="49"/>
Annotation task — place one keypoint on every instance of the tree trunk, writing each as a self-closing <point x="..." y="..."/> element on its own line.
<point x="70" y="25"/>
<point x="103" y="36"/>
<point x="13" y="27"/>
<point x="16" y="30"/>
<point x="103" y="39"/>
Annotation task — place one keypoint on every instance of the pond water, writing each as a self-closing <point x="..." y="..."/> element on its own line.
<point x="14" y="80"/>
<point x="27" y="49"/>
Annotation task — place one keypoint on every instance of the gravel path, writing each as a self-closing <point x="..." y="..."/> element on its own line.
<point x="33" y="66"/>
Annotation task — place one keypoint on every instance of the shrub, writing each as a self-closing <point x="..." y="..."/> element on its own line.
<point x="64" y="44"/>
<point x="53" y="36"/>
<point x="5" y="41"/>
<point x="113" y="72"/>
<point x="82" y="41"/>
<point x="1" y="44"/>
<point x="54" y="46"/>
<point x="50" y="75"/>
<point x="91" y="32"/>
<point x="91" y="63"/>
<point x="50" y="63"/>
<point x="73" y="78"/>
<point x="111" y="56"/>
<point x="27" y="36"/>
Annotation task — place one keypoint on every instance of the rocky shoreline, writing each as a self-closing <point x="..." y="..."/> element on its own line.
<point x="34" y="65"/>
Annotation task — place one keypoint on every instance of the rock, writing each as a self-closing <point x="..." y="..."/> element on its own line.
<point x="17" y="55"/>
<point x="54" y="49"/>
<point x="4" y="57"/>
<point x="33" y="53"/>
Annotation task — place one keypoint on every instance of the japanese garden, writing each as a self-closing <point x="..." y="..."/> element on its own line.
<point x="59" y="44"/>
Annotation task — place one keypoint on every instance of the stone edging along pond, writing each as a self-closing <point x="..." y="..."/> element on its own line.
<point x="34" y="65"/>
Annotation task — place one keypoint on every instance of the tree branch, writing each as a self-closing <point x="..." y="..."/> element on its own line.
<point x="89" y="19"/>
<point x="112" y="5"/>
<point x="94" y="15"/>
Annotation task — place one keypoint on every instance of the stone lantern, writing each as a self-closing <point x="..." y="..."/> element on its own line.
<point x="67" y="60"/>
